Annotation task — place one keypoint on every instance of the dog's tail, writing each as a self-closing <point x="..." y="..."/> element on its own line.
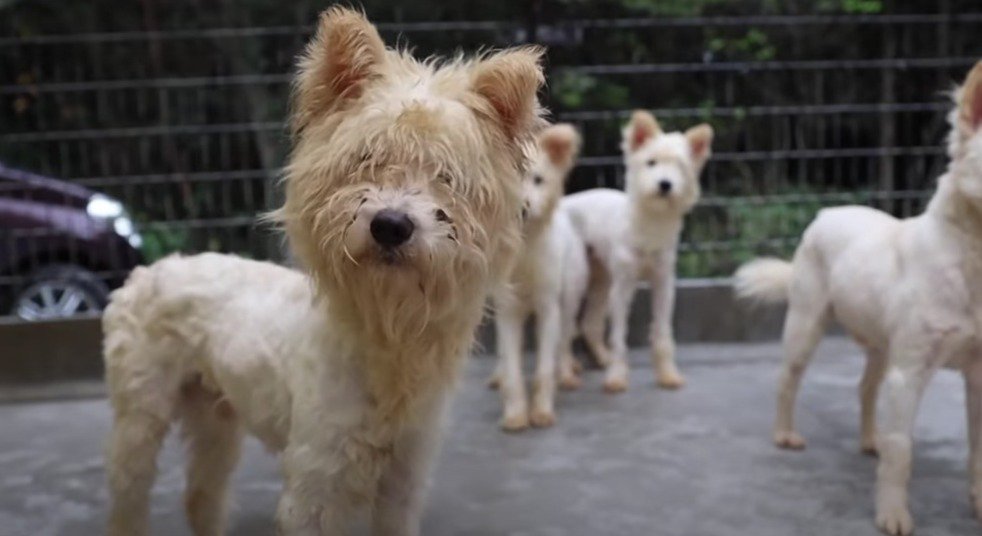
<point x="764" y="280"/>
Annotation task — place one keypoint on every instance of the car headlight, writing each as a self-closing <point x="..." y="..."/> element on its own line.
<point x="104" y="208"/>
<point x="108" y="209"/>
<point x="123" y="226"/>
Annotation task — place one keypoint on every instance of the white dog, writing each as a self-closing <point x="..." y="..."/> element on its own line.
<point x="633" y="235"/>
<point x="908" y="291"/>
<point x="549" y="279"/>
<point x="403" y="201"/>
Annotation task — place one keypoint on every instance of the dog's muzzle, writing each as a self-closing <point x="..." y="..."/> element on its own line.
<point x="664" y="188"/>
<point x="391" y="228"/>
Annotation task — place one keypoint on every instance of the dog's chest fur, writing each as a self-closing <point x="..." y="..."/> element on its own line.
<point x="653" y="231"/>
<point x="529" y="274"/>
<point x="961" y="281"/>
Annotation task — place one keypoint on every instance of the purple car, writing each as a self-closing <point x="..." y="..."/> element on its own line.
<point x="63" y="247"/>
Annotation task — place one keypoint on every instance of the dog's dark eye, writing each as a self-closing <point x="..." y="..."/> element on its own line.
<point x="537" y="180"/>
<point x="445" y="178"/>
<point x="440" y="215"/>
<point x="652" y="162"/>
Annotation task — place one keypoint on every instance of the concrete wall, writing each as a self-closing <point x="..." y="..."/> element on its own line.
<point x="39" y="352"/>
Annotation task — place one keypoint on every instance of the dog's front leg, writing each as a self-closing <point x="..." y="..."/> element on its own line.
<point x="621" y="292"/>
<point x="317" y="497"/>
<point x="908" y="375"/>
<point x="398" y="507"/>
<point x="662" y="306"/>
<point x="973" y="400"/>
<point x="508" y="320"/>
<point x="548" y="337"/>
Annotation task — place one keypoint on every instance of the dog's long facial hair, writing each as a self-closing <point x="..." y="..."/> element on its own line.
<point x="403" y="190"/>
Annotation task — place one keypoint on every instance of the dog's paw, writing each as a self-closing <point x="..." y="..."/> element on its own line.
<point x="615" y="385"/>
<point x="789" y="440"/>
<point x="570" y="383"/>
<point x="515" y="423"/>
<point x="542" y="419"/>
<point x="671" y="381"/>
<point x="868" y="447"/>
<point x="894" y="519"/>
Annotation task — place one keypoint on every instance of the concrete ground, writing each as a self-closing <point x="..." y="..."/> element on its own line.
<point x="695" y="462"/>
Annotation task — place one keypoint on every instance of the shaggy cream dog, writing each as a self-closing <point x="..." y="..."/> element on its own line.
<point x="549" y="279"/>
<point x="908" y="291"/>
<point x="403" y="201"/>
<point x="633" y="236"/>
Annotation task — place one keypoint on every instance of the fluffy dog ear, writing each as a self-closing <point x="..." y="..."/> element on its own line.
<point x="643" y="127"/>
<point x="508" y="82"/>
<point x="700" y="139"/>
<point x="970" y="102"/>
<point x="339" y="62"/>
<point x="561" y="144"/>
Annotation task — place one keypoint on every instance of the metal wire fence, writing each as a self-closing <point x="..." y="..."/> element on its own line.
<point x="185" y="127"/>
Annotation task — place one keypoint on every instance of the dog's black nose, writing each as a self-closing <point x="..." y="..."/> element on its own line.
<point x="391" y="228"/>
<point x="664" y="186"/>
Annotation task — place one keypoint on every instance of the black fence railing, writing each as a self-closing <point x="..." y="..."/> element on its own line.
<point x="183" y="129"/>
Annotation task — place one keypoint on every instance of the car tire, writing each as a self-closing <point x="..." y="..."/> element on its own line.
<point x="60" y="291"/>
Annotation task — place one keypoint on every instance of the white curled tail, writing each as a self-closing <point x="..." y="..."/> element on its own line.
<point x="764" y="280"/>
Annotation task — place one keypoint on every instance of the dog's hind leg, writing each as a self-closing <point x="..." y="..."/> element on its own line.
<point x="569" y="378"/>
<point x="808" y="313"/>
<point x="213" y="435"/>
<point x="143" y="412"/>
<point x="595" y="309"/>
<point x="869" y="388"/>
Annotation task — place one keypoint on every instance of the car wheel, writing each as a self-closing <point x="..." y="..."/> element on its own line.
<point x="60" y="291"/>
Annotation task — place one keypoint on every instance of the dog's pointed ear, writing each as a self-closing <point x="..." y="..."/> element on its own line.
<point x="561" y="144"/>
<point x="508" y="82"/>
<point x="700" y="138"/>
<point x="339" y="62"/>
<point x="642" y="127"/>
<point x="970" y="102"/>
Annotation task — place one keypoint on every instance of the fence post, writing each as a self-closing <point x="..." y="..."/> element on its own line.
<point x="888" y="137"/>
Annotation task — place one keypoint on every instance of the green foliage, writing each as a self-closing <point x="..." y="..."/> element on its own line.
<point x="749" y="228"/>
<point x="159" y="241"/>
<point x="772" y="228"/>
<point x="754" y="45"/>
<point x="862" y="7"/>
<point x="573" y="91"/>
<point x="673" y="8"/>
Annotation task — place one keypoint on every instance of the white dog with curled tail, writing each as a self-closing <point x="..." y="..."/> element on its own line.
<point x="403" y="202"/>
<point x="633" y="236"/>
<point x="908" y="291"/>
<point x="549" y="280"/>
